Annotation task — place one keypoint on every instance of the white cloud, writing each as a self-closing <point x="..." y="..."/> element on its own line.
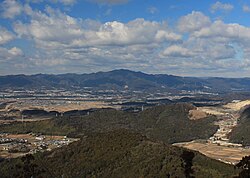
<point x="60" y="39"/>
<point x="193" y="22"/>
<point x="246" y="8"/>
<point x="8" y="54"/>
<point x="218" y="6"/>
<point x="56" y="29"/>
<point x="209" y="40"/>
<point x="162" y="35"/>
<point x="215" y="47"/>
<point x="63" y="43"/>
<point x="11" y="8"/>
<point x="68" y="2"/>
<point x="225" y="32"/>
<point x="176" y="51"/>
<point x="15" y="51"/>
<point x="109" y="2"/>
<point x="5" y="36"/>
<point x="65" y="2"/>
<point x="50" y="28"/>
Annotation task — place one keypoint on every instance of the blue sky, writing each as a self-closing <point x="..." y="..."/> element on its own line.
<point x="189" y="38"/>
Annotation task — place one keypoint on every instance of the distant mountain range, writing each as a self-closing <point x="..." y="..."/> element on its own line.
<point x="125" y="79"/>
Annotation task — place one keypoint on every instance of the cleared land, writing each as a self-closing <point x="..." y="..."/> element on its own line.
<point x="218" y="146"/>
<point x="236" y="106"/>
<point x="13" y="109"/>
<point x="230" y="155"/>
<point x="196" y="114"/>
<point x="60" y="106"/>
<point x="213" y="110"/>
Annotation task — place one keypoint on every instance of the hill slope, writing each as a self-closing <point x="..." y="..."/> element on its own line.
<point x="168" y="123"/>
<point x="116" y="154"/>
<point x="240" y="134"/>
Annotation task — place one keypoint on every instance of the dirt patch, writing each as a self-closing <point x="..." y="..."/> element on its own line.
<point x="197" y="114"/>
<point x="62" y="106"/>
<point x="236" y="106"/>
<point x="230" y="155"/>
<point x="212" y="110"/>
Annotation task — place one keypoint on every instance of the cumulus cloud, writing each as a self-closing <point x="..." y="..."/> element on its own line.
<point x="60" y="38"/>
<point x="210" y="50"/>
<point x="176" y="51"/>
<point x="212" y="46"/>
<point x="193" y="21"/>
<point x="56" y="29"/>
<point x="11" y="8"/>
<point x="211" y="41"/>
<point x="15" y="51"/>
<point x="7" y="54"/>
<point x="68" y="2"/>
<point x="218" y="6"/>
<point x="5" y="36"/>
<point x="109" y="2"/>
<point x="225" y="32"/>
<point x="62" y="43"/>
<point x="65" y="2"/>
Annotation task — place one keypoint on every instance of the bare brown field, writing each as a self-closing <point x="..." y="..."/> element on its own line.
<point x="213" y="110"/>
<point x="230" y="155"/>
<point x="237" y="105"/>
<point x="62" y="107"/>
<point x="5" y="121"/>
<point x="80" y="106"/>
<point x="32" y="120"/>
<point x="196" y="114"/>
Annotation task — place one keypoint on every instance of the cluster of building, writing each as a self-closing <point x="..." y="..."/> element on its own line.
<point x="30" y="143"/>
<point x="226" y="124"/>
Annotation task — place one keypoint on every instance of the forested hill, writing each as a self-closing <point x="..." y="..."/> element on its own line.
<point x="118" y="79"/>
<point x="240" y="134"/>
<point x="116" y="154"/>
<point x="167" y="123"/>
<point x="120" y="144"/>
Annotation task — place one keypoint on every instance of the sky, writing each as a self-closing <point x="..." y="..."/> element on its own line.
<point x="199" y="38"/>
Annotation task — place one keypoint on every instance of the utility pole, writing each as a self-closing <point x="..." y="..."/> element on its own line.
<point x="183" y="81"/>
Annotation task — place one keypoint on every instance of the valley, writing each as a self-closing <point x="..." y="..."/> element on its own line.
<point x="187" y="122"/>
<point x="219" y="146"/>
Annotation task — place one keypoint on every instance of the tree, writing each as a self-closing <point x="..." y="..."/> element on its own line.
<point x="244" y="164"/>
<point x="188" y="156"/>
